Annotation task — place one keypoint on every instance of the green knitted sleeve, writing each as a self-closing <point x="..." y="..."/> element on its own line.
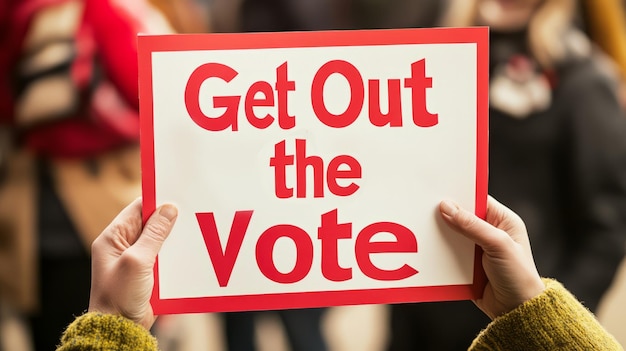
<point x="98" y="332"/>
<point x="554" y="320"/>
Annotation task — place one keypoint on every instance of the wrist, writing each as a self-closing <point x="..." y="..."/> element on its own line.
<point x="102" y="309"/>
<point x="534" y="288"/>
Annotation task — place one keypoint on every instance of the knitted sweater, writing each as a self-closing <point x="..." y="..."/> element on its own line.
<point x="99" y="332"/>
<point x="554" y="320"/>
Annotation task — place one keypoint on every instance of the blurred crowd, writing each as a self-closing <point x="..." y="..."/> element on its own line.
<point x="69" y="158"/>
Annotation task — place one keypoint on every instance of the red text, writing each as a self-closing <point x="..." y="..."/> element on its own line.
<point x="329" y="233"/>
<point x="301" y="161"/>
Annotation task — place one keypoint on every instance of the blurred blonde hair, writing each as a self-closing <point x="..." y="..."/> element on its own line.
<point x="551" y="36"/>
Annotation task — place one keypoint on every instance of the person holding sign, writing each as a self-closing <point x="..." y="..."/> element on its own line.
<point x="528" y="312"/>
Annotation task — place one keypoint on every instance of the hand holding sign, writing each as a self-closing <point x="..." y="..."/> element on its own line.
<point x="512" y="276"/>
<point x="123" y="257"/>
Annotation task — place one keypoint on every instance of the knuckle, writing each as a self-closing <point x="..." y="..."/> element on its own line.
<point x="156" y="227"/>
<point x="120" y="230"/>
<point x="513" y="220"/>
<point x="518" y="220"/>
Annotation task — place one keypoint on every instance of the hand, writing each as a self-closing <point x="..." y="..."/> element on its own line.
<point x="123" y="257"/>
<point x="507" y="259"/>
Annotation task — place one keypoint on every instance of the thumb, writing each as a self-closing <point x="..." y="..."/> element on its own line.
<point x="467" y="223"/>
<point x="155" y="231"/>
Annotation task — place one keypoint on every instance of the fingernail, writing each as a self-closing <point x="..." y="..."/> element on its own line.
<point x="169" y="211"/>
<point x="449" y="208"/>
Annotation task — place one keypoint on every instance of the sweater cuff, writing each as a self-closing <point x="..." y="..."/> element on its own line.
<point x="97" y="331"/>
<point x="554" y="320"/>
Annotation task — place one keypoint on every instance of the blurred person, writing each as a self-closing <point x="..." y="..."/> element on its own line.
<point x="290" y="15"/>
<point x="605" y="21"/>
<point x="297" y="15"/>
<point x="529" y="313"/>
<point x="225" y="16"/>
<point x="186" y="16"/>
<point x="13" y="333"/>
<point x="69" y="157"/>
<point x="557" y="158"/>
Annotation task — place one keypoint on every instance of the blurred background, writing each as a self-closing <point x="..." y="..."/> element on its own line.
<point x="69" y="158"/>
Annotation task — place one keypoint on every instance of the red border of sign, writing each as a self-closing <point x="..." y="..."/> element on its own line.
<point x="149" y="44"/>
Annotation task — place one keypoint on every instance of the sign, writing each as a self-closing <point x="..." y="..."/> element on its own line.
<point x="308" y="167"/>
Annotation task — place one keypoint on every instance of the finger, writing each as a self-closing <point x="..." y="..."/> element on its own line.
<point x="124" y="229"/>
<point x="504" y="218"/>
<point x="498" y="214"/>
<point x="156" y="230"/>
<point x="482" y="233"/>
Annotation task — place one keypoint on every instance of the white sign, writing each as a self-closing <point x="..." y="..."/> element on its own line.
<point x="308" y="167"/>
